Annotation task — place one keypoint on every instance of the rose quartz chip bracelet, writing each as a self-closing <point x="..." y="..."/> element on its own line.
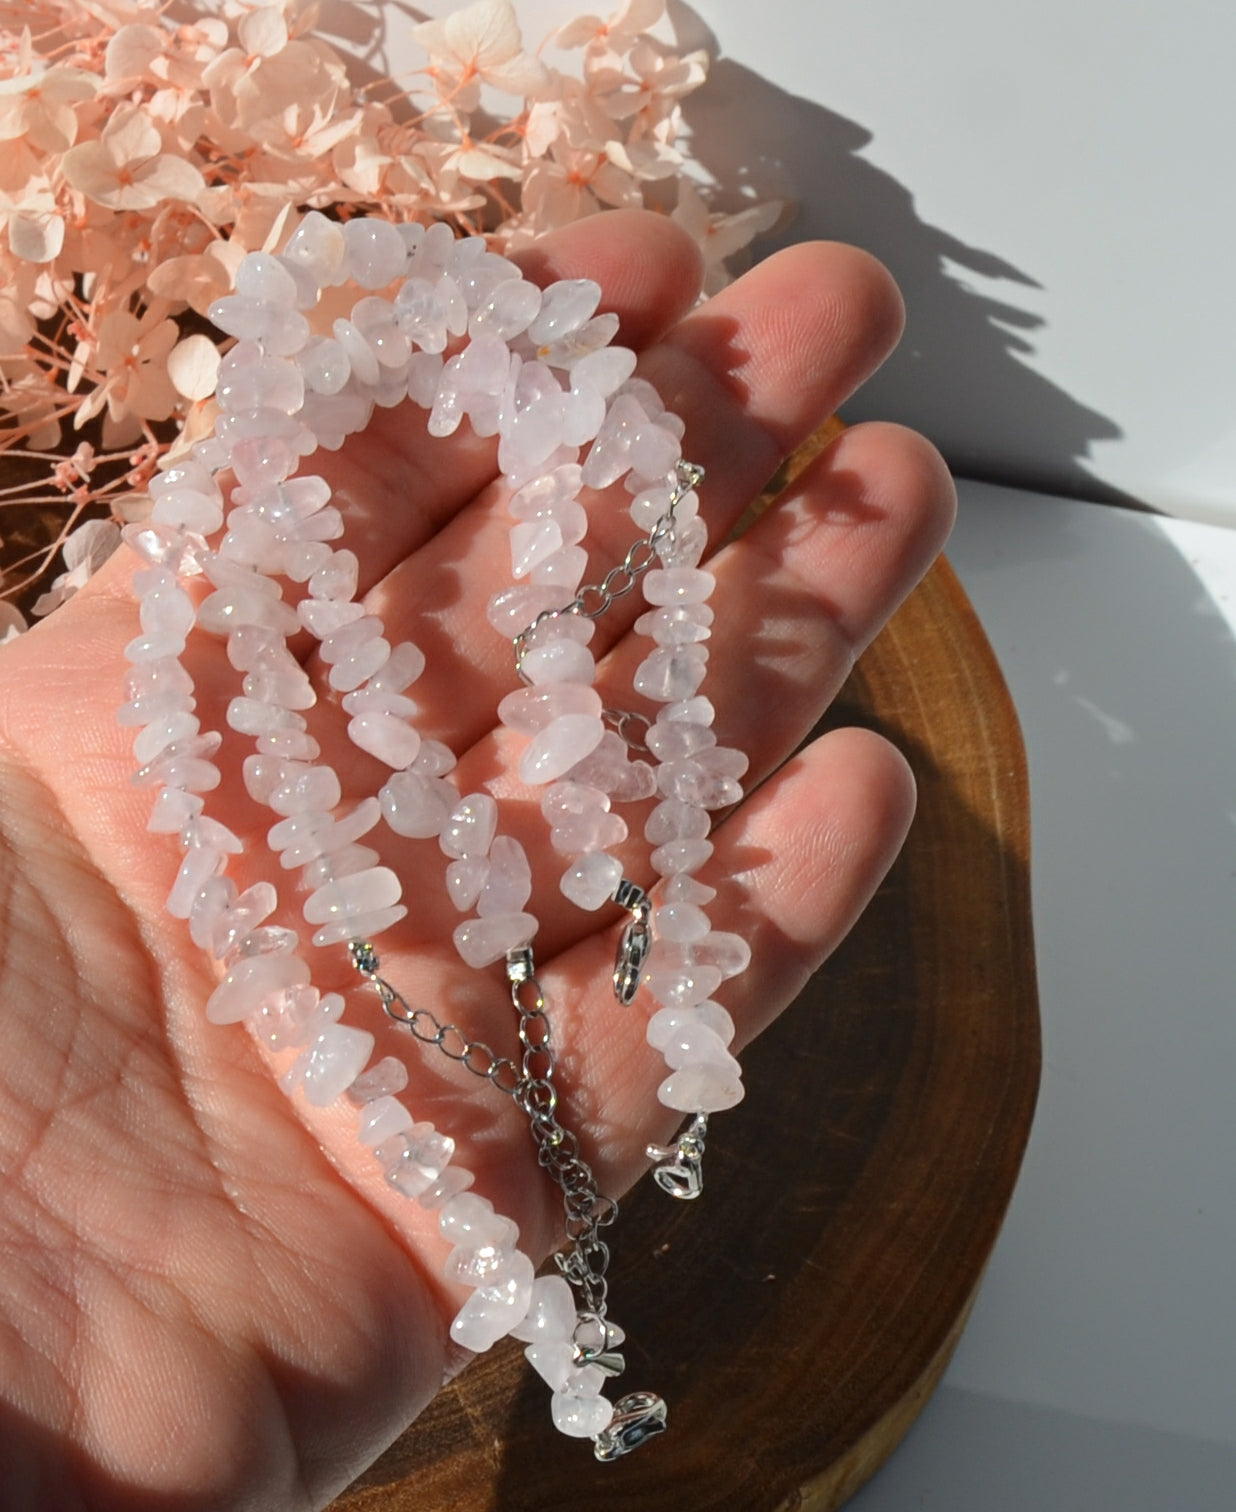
<point x="458" y="330"/>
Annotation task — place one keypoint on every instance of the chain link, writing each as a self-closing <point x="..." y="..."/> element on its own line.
<point x="473" y="1055"/>
<point x="593" y="599"/>
<point x="587" y="1212"/>
<point x="621" y="720"/>
<point x="530" y="1081"/>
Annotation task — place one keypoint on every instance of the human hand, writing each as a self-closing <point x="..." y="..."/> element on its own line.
<point x="210" y="1295"/>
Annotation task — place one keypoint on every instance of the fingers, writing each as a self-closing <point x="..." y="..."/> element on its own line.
<point x="749" y="381"/>
<point x="757" y="368"/>
<point x="804" y="591"/>
<point x="799" y="862"/>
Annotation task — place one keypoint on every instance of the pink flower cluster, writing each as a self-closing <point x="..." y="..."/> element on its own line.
<point x="141" y="158"/>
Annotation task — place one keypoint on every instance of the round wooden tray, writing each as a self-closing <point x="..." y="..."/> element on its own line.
<point x="797" y="1319"/>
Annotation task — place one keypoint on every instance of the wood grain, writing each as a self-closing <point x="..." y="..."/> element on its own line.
<point x="798" y="1317"/>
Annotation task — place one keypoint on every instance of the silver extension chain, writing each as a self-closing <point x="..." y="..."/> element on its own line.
<point x="593" y="599"/>
<point x="530" y="1082"/>
<point x="586" y="1260"/>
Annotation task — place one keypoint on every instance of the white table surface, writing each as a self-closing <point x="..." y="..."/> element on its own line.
<point x="1099" y="1368"/>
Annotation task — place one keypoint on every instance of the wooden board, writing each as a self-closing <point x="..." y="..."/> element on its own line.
<point x="798" y="1317"/>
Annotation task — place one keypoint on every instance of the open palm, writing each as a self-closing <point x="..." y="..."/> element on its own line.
<point x="209" y="1297"/>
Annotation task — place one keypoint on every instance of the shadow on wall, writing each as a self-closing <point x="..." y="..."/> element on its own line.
<point x="959" y="374"/>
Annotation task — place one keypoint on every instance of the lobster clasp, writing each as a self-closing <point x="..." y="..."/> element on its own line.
<point x="637" y="1418"/>
<point x="680" y="1171"/>
<point x="635" y="943"/>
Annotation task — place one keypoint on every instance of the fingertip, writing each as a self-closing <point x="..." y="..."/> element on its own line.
<point x="860" y="794"/>
<point x="651" y="271"/>
<point x="883" y="502"/>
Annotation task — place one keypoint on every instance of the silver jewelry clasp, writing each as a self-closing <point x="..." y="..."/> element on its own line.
<point x="681" y="1172"/>
<point x="637" y="1418"/>
<point x="595" y="1342"/>
<point x="636" y="941"/>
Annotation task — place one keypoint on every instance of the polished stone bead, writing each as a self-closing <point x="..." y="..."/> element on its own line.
<point x="694" y="1041"/>
<point x="375" y="320"/>
<point x="166" y="728"/>
<point x="288" y="686"/>
<point x="678" y="585"/>
<point x="201" y="862"/>
<point x="351" y="671"/>
<point x="531" y="542"/>
<point x="560" y="660"/>
<point x="330" y="1064"/>
<point x="682" y="923"/>
<point x="262" y="276"/>
<point x="319" y="248"/>
<point x="375" y="252"/>
<point x="350" y="897"/>
<point x="172" y="808"/>
<point x="390" y="739"/>
<point x="324" y="364"/>
<point x="681" y="986"/>
<point x="702" y="1087"/>
<point x="591" y="882"/>
<point x="671" y="673"/>
<point x="686" y="546"/>
<point x="470" y="827"/>
<point x="509" y="309"/>
<point x="551" y="1312"/>
<point x="303" y="789"/>
<point x="681" y="856"/>
<point x="674" y="739"/>
<point x="289" y="1019"/>
<point x="508" y="881"/>
<point x="580" y="1416"/>
<point x="564" y="742"/>
<point x="470" y="1220"/>
<point x="564" y="570"/>
<point x="186" y="764"/>
<point x="609" y="457"/>
<point x="450" y="1183"/>
<point x="164" y="608"/>
<point x="481" y="942"/>
<point x="250" y="379"/>
<point x="251" y="979"/>
<point x="612" y="768"/>
<point x="383" y="1079"/>
<point x="683" y="888"/>
<point x="464" y="880"/>
<point x="251" y="908"/>
<point x="674" y="820"/>
<point x="666" y="1023"/>
<point x="415" y="1158"/>
<point x="479" y="1264"/>
<point x="345" y="861"/>
<point x="250" y="716"/>
<point x="553" y="1360"/>
<point x="530" y="710"/>
<point x="729" y="953"/>
<point x="416" y="805"/>
<point x="492" y="1311"/>
<point x="606" y="370"/>
<point x="565" y="306"/>
<point x="382" y="1118"/>
<point x="246" y="603"/>
<point x="322" y="617"/>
